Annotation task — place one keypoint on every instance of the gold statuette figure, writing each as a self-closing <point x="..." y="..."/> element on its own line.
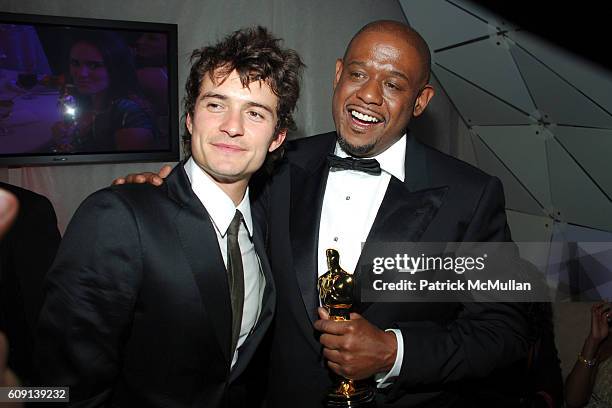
<point x="336" y="288"/>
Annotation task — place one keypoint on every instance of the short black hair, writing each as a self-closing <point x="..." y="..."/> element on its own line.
<point x="409" y="34"/>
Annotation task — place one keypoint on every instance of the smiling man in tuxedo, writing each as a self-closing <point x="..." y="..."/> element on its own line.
<point x="436" y="353"/>
<point x="371" y="181"/>
<point x="159" y="296"/>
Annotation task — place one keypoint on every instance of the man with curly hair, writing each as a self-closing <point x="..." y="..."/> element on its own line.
<point x="160" y="296"/>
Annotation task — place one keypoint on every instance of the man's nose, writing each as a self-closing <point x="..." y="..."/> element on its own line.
<point x="370" y="92"/>
<point x="233" y="124"/>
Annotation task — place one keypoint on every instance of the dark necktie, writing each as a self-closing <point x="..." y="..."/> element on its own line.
<point x="369" y="166"/>
<point x="235" y="275"/>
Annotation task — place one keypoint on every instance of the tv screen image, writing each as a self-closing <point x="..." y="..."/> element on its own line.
<point x="85" y="90"/>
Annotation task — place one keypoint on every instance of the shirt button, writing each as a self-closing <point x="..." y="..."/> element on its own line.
<point x="335" y="239"/>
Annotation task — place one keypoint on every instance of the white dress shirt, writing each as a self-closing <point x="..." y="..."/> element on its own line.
<point x="351" y="202"/>
<point x="221" y="210"/>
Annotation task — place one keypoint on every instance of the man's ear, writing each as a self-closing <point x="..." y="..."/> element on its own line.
<point x="188" y="123"/>
<point x="339" y="67"/>
<point x="423" y="100"/>
<point x="278" y="140"/>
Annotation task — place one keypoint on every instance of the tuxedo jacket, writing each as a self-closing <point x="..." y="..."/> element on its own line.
<point x="26" y="253"/>
<point x="450" y="349"/>
<point x="137" y="309"/>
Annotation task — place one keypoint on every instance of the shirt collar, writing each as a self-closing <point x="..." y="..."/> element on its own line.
<point x="220" y="207"/>
<point x="391" y="160"/>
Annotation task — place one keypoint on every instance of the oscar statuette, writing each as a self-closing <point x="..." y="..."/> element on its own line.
<point x="336" y="288"/>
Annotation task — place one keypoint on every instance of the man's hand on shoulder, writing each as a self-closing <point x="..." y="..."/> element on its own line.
<point x="145" y="177"/>
<point x="356" y="349"/>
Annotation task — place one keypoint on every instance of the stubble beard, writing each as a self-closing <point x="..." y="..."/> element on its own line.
<point x="354" y="150"/>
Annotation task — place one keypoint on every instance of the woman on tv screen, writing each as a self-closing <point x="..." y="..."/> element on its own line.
<point x="101" y="102"/>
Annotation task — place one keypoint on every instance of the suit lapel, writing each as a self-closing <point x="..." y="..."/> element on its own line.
<point x="306" y="203"/>
<point x="417" y="172"/>
<point x="268" y="305"/>
<point x="199" y="241"/>
<point x="403" y="215"/>
<point x="406" y="210"/>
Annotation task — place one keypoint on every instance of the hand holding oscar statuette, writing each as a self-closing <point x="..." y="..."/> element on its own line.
<point x="336" y="293"/>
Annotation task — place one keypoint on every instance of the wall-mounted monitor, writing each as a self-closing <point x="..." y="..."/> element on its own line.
<point x="77" y="90"/>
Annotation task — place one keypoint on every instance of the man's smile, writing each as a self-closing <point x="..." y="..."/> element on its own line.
<point x="227" y="147"/>
<point x="364" y="118"/>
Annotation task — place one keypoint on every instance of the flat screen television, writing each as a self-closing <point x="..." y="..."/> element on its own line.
<point x="80" y="90"/>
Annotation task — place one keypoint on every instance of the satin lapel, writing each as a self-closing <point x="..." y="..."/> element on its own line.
<point x="415" y="165"/>
<point x="199" y="241"/>
<point x="403" y="216"/>
<point x="266" y="315"/>
<point x="306" y="202"/>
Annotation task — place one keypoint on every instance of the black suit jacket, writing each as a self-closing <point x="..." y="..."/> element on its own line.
<point x="137" y="310"/>
<point x="445" y="344"/>
<point x="26" y="253"/>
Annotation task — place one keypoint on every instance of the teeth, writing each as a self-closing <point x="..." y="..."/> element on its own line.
<point x="364" y="117"/>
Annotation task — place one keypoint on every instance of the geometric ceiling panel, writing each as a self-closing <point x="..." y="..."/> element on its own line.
<point x="517" y="197"/>
<point x="576" y="233"/>
<point x="555" y="97"/>
<point x="593" y="150"/>
<point x="594" y="81"/>
<point x="475" y="105"/>
<point x="583" y="261"/>
<point x="522" y="149"/>
<point x="425" y="16"/>
<point x="463" y="145"/>
<point x="576" y="198"/>
<point x="490" y="67"/>
<point x="527" y="228"/>
<point x="533" y="228"/>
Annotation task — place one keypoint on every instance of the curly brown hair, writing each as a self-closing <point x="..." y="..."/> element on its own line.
<point x="256" y="56"/>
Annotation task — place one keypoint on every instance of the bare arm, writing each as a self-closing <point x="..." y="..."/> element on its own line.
<point x="580" y="381"/>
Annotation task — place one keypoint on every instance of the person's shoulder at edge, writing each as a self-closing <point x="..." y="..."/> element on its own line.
<point x="22" y="194"/>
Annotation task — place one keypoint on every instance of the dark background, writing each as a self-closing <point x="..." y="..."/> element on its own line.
<point x="581" y="27"/>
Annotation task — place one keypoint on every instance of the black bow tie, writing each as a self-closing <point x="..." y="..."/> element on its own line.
<point x="369" y="166"/>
